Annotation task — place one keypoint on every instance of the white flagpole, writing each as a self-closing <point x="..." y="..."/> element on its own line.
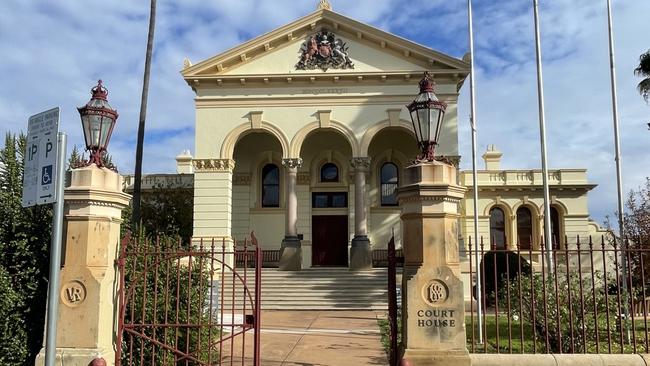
<point x="472" y="99"/>
<point x="542" y="136"/>
<point x="617" y="147"/>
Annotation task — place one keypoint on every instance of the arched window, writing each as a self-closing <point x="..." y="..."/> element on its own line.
<point x="498" y="228"/>
<point x="555" y="228"/>
<point x="524" y="227"/>
<point x="270" y="186"/>
<point x="329" y="172"/>
<point x="389" y="183"/>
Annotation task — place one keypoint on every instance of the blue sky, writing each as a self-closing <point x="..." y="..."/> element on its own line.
<point x="54" y="52"/>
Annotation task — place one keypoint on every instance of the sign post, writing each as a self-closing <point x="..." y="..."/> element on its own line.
<point x="43" y="184"/>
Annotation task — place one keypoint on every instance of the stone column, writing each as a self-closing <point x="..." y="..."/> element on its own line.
<point x="291" y="251"/>
<point x="433" y="310"/>
<point x="88" y="299"/>
<point x="360" y="252"/>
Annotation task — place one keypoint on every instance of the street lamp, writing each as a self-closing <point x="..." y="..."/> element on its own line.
<point x="97" y="120"/>
<point x="427" y="115"/>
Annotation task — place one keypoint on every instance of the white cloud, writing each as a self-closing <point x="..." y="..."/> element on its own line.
<point x="53" y="53"/>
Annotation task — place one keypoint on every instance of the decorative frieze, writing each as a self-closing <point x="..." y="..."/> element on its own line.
<point x="213" y="165"/>
<point x="304" y="179"/>
<point x="429" y="199"/>
<point x="292" y="163"/>
<point x="241" y="179"/>
<point x="360" y="163"/>
<point x="97" y="203"/>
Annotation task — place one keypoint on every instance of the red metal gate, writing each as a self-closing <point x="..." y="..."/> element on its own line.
<point x="184" y="304"/>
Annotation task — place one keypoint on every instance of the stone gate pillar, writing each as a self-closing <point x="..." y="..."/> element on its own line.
<point x="88" y="295"/>
<point x="433" y="311"/>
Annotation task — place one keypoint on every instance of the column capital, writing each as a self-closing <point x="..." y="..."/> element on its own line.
<point x="292" y="163"/>
<point x="360" y="163"/>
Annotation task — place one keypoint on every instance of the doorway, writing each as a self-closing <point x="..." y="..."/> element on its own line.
<point x="330" y="240"/>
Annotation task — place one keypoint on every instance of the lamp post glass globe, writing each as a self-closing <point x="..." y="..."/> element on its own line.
<point x="427" y="115"/>
<point x="97" y="120"/>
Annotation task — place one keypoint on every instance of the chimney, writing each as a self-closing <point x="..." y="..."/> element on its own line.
<point x="184" y="163"/>
<point x="492" y="158"/>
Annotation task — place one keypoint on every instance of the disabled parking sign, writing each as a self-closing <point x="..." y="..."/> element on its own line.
<point x="40" y="159"/>
<point x="46" y="175"/>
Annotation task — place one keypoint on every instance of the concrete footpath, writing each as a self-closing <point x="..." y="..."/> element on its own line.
<point x="321" y="338"/>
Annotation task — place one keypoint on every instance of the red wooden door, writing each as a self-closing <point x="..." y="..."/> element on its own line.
<point x="330" y="240"/>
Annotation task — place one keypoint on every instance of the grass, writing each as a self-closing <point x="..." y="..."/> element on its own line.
<point x="502" y="342"/>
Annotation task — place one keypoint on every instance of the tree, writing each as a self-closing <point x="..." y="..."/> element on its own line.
<point x="637" y="217"/>
<point x="164" y="211"/>
<point x="643" y="70"/>
<point x="78" y="160"/>
<point x="637" y="232"/>
<point x="25" y="235"/>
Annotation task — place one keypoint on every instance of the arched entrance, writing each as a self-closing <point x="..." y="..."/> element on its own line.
<point x="391" y="150"/>
<point x="258" y="189"/>
<point x="324" y="175"/>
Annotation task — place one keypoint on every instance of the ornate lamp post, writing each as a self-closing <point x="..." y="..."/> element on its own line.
<point x="98" y="120"/>
<point x="427" y="115"/>
<point x="433" y="307"/>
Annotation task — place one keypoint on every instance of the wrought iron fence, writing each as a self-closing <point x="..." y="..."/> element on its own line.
<point x="380" y="257"/>
<point x="590" y="296"/>
<point x="270" y="259"/>
<point x="188" y="305"/>
<point x="393" y="314"/>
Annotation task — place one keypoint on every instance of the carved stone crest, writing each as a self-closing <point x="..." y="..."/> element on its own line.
<point x="73" y="293"/>
<point x="324" y="50"/>
<point x="435" y="292"/>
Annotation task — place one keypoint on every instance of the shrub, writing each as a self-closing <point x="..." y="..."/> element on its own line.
<point x="158" y="292"/>
<point x="559" y="314"/>
<point x="500" y="268"/>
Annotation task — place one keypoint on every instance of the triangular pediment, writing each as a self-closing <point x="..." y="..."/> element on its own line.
<point x="369" y="49"/>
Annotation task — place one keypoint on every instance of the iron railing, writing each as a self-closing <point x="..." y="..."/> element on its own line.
<point x="270" y="259"/>
<point x="188" y="305"/>
<point x="393" y="324"/>
<point x="380" y="257"/>
<point x="592" y="297"/>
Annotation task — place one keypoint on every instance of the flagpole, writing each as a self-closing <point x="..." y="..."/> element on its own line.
<point x="472" y="99"/>
<point x="617" y="147"/>
<point x="548" y="240"/>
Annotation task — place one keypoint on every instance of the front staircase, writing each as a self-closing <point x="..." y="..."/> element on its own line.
<point x="314" y="289"/>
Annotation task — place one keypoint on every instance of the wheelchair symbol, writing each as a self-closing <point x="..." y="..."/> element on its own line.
<point x="46" y="176"/>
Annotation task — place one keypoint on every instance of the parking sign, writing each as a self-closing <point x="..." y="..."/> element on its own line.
<point x="40" y="159"/>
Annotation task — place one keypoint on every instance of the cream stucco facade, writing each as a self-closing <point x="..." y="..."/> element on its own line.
<point x="258" y="116"/>
<point x="513" y="189"/>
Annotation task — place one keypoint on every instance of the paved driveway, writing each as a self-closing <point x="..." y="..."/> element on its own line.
<point x="321" y="338"/>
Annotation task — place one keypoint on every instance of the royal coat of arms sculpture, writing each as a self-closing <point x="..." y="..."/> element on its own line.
<point x="324" y="51"/>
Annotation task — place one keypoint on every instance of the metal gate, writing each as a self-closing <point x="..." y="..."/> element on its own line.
<point x="393" y="325"/>
<point x="188" y="304"/>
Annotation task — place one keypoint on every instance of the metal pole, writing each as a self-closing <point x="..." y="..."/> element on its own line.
<point x="55" y="255"/>
<point x="137" y="184"/>
<point x="542" y="136"/>
<point x="617" y="147"/>
<point x="472" y="118"/>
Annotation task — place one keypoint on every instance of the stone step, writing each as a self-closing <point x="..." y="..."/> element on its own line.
<point x="311" y="289"/>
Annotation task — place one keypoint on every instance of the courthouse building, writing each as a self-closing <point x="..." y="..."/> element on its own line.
<point x="302" y="135"/>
